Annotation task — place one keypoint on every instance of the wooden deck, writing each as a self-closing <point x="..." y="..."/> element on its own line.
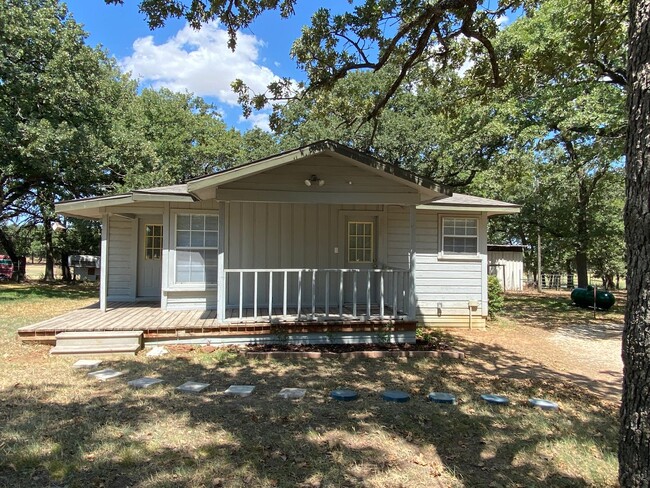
<point x="160" y="324"/>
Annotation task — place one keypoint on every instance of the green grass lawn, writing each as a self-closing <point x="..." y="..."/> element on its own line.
<point x="60" y="428"/>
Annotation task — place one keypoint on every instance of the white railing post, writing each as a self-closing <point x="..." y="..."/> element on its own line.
<point x="299" y="292"/>
<point x="255" y="296"/>
<point x="341" y="294"/>
<point x="270" y="294"/>
<point x="395" y="274"/>
<point x="327" y="293"/>
<point x="284" y="300"/>
<point x="368" y="297"/>
<point x="241" y="294"/>
<point x="313" y="294"/>
<point x="354" y="293"/>
<point x="381" y="294"/>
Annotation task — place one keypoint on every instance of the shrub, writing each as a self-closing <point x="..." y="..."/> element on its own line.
<point x="495" y="296"/>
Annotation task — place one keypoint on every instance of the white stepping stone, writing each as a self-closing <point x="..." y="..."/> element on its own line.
<point x="144" y="382"/>
<point x="87" y="363"/>
<point x="292" y="393"/>
<point x="105" y="374"/>
<point x="240" y="390"/>
<point x="192" y="387"/>
<point x="543" y="404"/>
<point x="157" y="351"/>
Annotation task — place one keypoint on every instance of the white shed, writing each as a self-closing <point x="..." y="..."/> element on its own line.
<point x="506" y="262"/>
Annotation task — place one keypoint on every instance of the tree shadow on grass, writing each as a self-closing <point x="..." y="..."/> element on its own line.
<point x="499" y="361"/>
<point x="92" y="434"/>
<point x="557" y="312"/>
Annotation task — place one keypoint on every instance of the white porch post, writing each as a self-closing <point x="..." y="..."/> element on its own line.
<point x="412" y="259"/>
<point x="221" y="265"/>
<point x="103" y="270"/>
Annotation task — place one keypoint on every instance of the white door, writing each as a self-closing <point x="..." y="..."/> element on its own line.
<point x="361" y="253"/>
<point x="150" y="257"/>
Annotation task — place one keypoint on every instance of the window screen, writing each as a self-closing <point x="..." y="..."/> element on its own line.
<point x="459" y="235"/>
<point x="197" y="240"/>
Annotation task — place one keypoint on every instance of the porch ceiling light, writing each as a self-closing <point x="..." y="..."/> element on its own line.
<point x="314" y="180"/>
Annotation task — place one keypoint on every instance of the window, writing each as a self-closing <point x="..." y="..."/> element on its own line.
<point x="459" y="236"/>
<point x="360" y="242"/>
<point x="152" y="241"/>
<point x="197" y="240"/>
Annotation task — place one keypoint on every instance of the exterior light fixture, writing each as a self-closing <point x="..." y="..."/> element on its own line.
<point x="314" y="180"/>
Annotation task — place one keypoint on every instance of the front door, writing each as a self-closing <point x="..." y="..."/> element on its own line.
<point x="150" y="257"/>
<point x="361" y="253"/>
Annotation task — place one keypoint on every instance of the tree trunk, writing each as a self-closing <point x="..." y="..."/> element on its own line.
<point x="65" y="268"/>
<point x="49" y="249"/>
<point x="634" y="440"/>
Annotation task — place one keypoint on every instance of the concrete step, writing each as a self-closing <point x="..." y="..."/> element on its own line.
<point x="108" y="350"/>
<point x="98" y="343"/>
<point x="102" y="339"/>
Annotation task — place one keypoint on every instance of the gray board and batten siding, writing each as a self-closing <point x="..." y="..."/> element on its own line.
<point x="312" y="236"/>
<point x="290" y="226"/>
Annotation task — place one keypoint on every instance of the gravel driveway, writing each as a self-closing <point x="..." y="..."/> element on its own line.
<point x="587" y="355"/>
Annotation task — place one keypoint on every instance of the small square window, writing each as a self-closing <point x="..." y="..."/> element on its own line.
<point x="460" y="235"/>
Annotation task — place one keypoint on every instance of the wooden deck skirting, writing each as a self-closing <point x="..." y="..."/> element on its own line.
<point x="159" y="324"/>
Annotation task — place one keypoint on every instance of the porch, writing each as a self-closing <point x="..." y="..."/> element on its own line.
<point x="241" y="327"/>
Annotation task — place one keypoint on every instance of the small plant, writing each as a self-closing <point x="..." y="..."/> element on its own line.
<point x="437" y="338"/>
<point x="384" y="333"/>
<point x="280" y="333"/>
<point x="495" y="296"/>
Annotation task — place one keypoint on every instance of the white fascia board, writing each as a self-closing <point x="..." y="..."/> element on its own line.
<point x="161" y="197"/>
<point x="490" y="210"/>
<point x="91" y="203"/>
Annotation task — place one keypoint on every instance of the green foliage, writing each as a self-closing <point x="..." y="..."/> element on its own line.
<point x="565" y="106"/>
<point x="175" y="137"/>
<point x="495" y="297"/>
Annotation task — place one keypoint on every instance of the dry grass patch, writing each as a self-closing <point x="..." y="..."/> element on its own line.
<point x="553" y="309"/>
<point x="62" y="427"/>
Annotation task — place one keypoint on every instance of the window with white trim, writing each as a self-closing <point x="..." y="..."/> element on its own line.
<point x="361" y="242"/>
<point x="459" y="235"/>
<point x="197" y="241"/>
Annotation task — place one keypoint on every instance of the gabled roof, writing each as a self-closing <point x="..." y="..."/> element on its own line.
<point x="323" y="146"/>
<point x="439" y="197"/>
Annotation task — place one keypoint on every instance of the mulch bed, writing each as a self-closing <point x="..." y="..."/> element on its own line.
<point x="420" y="345"/>
<point x="340" y="348"/>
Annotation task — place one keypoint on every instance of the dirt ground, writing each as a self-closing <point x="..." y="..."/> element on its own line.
<point x="555" y="340"/>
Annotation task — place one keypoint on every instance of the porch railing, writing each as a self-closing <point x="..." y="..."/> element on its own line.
<point x="317" y="293"/>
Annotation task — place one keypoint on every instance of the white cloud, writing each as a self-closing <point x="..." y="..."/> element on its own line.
<point x="199" y="61"/>
<point x="502" y="20"/>
<point x="258" y="119"/>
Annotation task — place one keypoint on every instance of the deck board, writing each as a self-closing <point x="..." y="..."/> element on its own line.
<point x="148" y="317"/>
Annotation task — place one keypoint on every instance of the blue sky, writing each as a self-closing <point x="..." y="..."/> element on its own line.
<point x="185" y="60"/>
<point x="182" y="59"/>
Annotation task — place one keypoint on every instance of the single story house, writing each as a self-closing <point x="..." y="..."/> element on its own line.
<point x="318" y="233"/>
